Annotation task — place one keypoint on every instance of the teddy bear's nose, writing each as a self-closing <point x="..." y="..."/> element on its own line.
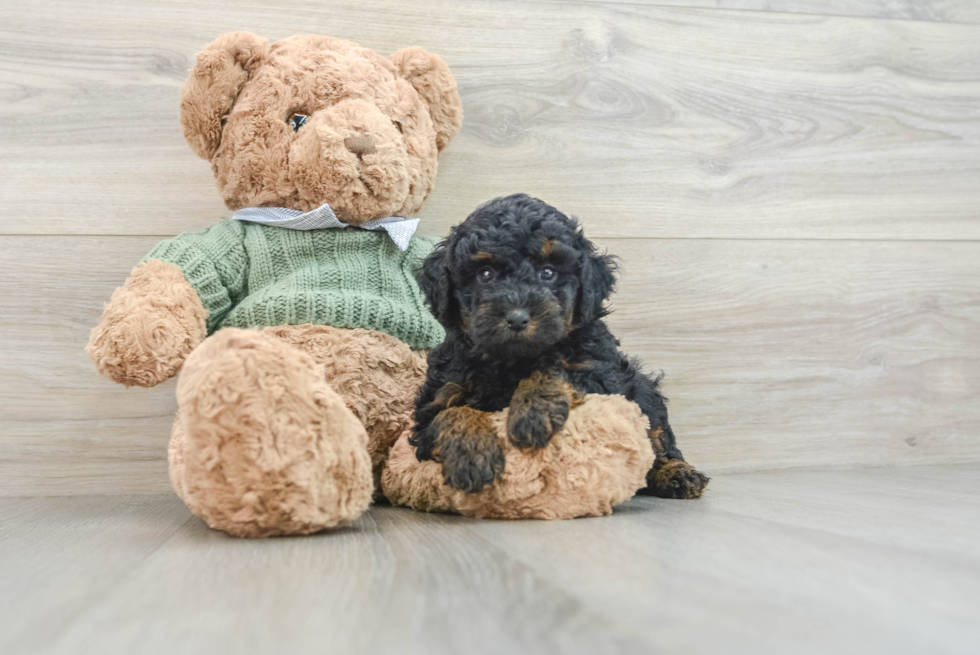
<point x="360" y="145"/>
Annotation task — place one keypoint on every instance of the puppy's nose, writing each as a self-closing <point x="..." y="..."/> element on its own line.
<point x="360" y="145"/>
<point x="518" y="319"/>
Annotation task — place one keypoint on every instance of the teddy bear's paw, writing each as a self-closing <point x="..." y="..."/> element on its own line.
<point x="467" y="446"/>
<point x="675" y="478"/>
<point x="149" y="327"/>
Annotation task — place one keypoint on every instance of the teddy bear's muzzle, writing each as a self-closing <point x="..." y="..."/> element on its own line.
<point x="352" y="156"/>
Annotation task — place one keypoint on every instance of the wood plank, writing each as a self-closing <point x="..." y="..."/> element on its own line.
<point x="784" y="562"/>
<point x="940" y="11"/>
<point x="58" y="556"/>
<point x="787" y="354"/>
<point x="643" y="120"/>
<point x="394" y="580"/>
<point x="778" y="354"/>
<point x="705" y="580"/>
<point x="935" y="499"/>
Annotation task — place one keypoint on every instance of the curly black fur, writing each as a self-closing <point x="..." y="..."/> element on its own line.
<point x="521" y="293"/>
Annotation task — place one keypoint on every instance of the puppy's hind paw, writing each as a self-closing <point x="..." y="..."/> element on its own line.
<point x="675" y="478"/>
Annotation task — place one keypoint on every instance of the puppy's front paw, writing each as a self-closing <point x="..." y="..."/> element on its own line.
<point x="472" y="465"/>
<point x="468" y="449"/>
<point x="538" y="411"/>
<point x="531" y="428"/>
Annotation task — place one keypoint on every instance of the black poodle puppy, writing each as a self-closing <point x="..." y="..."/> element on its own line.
<point x="520" y="291"/>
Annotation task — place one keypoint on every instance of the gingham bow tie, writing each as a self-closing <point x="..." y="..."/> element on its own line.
<point x="398" y="228"/>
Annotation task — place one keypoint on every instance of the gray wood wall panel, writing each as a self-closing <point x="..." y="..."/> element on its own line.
<point x="942" y="11"/>
<point x="682" y="122"/>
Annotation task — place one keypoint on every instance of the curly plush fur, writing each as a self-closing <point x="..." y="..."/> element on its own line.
<point x="520" y="291"/>
<point x="279" y="428"/>
<point x="376" y="374"/>
<point x="263" y="445"/>
<point x="151" y="324"/>
<point x="598" y="460"/>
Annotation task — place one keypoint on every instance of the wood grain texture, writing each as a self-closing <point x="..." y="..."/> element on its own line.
<point x="684" y="122"/>
<point x="778" y="354"/>
<point x="788" y="562"/>
<point x="940" y="11"/>
<point x="59" y="556"/>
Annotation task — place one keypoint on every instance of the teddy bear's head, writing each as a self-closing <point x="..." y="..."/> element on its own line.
<point x="312" y="120"/>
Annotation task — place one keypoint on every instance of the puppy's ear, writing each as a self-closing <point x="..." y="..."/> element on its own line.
<point x="598" y="277"/>
<point x="437" y="286"/>
<point x="222" y="68"/>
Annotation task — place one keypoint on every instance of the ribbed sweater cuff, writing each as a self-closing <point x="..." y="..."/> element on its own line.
<point x="200" y="272"/>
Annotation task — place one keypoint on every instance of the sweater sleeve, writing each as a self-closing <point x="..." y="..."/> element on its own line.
<point x="214" y="262"/>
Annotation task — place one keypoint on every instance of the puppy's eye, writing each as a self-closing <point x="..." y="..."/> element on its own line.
<point x="547" y="274"/>
<point x="399" y="126"/>
<point x="296" y="121"/>
<point x="485" y="275"/>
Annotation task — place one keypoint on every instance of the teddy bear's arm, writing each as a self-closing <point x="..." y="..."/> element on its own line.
<point x="150" y="325"/>
<point x="169" y="304"/>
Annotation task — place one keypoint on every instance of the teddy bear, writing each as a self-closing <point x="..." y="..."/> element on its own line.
<point x="297" y="325"/>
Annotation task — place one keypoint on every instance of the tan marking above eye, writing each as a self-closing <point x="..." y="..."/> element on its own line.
<point x="482" y="255"/>
<point x="549" y="245"/>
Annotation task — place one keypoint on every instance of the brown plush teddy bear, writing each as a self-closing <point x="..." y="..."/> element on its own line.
<point x="298" y="327"/>
<point x="284" y="429"/>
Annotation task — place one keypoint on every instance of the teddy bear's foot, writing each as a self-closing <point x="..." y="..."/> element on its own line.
<point x="263" y="445"/>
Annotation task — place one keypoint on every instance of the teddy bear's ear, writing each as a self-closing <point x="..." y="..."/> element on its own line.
<point x="222" y="68"/>
<point x="431" y="77"/>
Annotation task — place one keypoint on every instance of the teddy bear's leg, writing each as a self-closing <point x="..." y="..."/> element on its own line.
<point x="265" y="446"/>
<point x="375" y="373"/>
<point x="599" y="459"/>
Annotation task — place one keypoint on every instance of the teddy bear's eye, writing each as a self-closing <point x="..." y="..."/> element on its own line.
<point x="399" y="126"/>
<point x="296" y="120"/>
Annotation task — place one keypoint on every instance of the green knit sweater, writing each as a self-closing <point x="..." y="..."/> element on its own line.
<point x="253" y="275"/>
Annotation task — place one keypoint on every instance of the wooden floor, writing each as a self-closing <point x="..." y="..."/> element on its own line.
<point x="867" y="561"/>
